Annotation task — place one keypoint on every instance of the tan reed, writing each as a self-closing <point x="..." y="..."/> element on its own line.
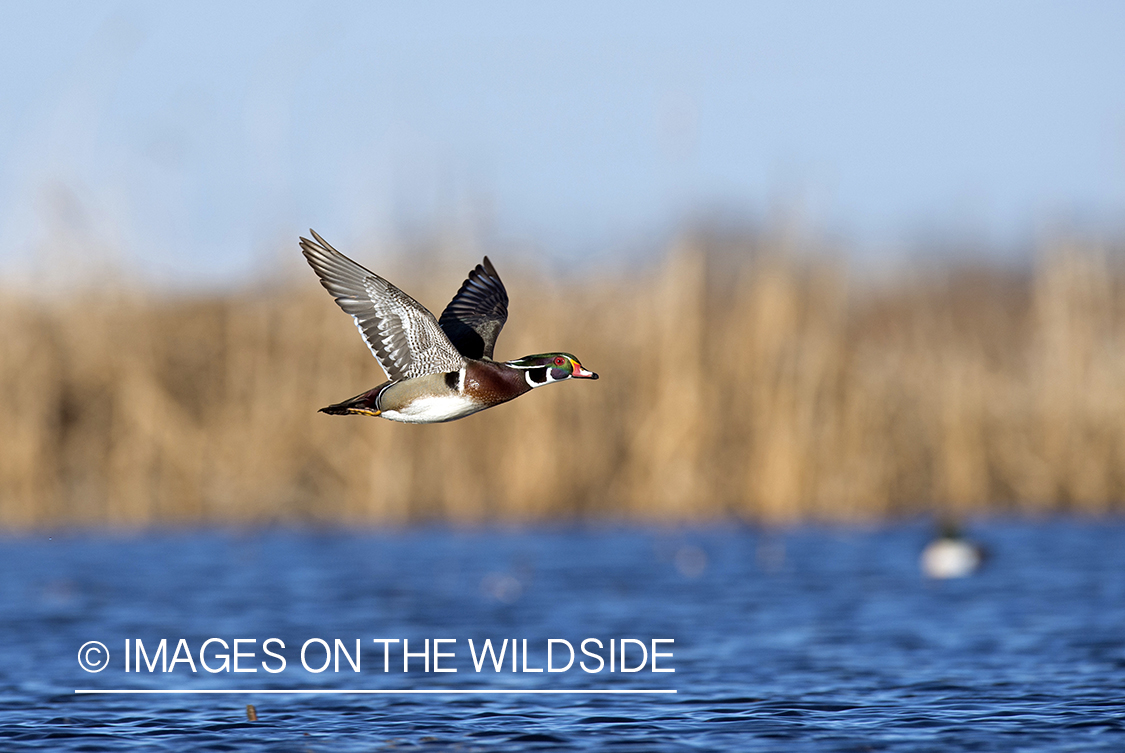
<point x="740" y="378"/>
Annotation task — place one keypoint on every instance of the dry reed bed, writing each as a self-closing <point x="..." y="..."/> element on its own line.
<point x="736" y="381"/>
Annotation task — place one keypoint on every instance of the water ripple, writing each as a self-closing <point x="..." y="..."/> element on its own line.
<point x="831" y="642"/>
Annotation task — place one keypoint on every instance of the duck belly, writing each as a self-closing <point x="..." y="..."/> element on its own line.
<point x="432" y="410"/>
<point x="417" y="402"/>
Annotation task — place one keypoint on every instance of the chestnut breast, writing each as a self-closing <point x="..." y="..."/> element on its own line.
<point x="494" y="383"/>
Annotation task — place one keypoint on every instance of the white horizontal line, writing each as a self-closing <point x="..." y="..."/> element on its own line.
<point x="413" y="691"/>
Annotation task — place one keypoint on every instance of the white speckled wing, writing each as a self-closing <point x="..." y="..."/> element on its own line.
<point x="402" y="333"/>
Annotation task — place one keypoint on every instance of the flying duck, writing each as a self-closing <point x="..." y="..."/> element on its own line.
<point x="437" y="369"/>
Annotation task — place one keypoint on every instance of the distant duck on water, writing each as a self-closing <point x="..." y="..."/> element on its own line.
<point x="951" y="555"/>
<point x="438" y="369"/>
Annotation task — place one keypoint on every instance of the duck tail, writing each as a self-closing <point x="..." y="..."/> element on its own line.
<point x="365" y="404"/>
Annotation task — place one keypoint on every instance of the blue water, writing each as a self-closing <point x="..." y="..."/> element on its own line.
<point x="806" y="640"/>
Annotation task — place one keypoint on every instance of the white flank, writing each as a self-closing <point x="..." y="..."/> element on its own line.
<point x="430" y="410"/>
<point x="950" y="558"/>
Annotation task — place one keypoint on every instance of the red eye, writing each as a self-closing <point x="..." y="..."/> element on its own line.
<point x="559" y="360"/>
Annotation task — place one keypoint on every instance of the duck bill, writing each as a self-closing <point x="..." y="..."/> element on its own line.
<point x="581" y="373"/>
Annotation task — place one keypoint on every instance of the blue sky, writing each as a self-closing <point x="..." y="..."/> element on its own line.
<point x="190" y="138"/>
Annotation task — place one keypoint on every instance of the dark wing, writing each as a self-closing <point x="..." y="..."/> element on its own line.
<point x="475" y="316"/>
<point x="403" y="335"/>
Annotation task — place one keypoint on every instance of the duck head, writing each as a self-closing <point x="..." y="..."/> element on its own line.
<point x="544" y="368"/>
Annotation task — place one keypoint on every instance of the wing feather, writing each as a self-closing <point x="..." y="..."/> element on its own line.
<point x="475" y="316"/>
<point x="404" y="336"/>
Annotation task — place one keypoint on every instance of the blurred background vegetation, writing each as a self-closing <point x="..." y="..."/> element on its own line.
<point x="742" y="377"/>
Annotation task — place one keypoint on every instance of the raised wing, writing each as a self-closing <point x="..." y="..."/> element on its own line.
<point x="475" y="316"/>
<point x="403" y="335"/>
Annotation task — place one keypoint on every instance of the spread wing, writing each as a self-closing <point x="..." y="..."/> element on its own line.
<point x="403" y="335"/>
<point x="475" y="316"/>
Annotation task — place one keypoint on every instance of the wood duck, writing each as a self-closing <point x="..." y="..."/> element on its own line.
<point x="438" y="369"/>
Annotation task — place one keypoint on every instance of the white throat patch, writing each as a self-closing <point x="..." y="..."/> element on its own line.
<point x="547" y="378"/>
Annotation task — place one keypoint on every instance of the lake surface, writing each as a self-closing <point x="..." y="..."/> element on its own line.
<point x="803" y="640"/>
